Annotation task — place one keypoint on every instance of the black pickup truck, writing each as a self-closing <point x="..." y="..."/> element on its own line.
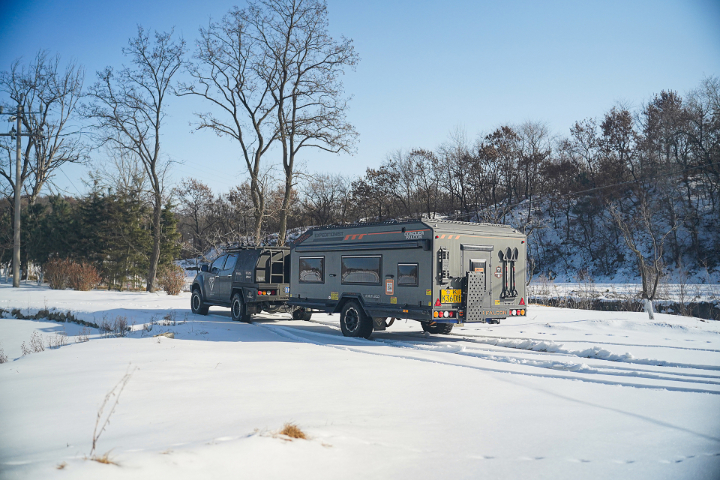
<point x="247" y="280"/>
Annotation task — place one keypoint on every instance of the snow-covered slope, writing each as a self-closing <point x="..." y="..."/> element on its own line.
<point x="559" y="394"/>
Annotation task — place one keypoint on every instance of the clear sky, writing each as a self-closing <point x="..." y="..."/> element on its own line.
<point x="426" y="67"/>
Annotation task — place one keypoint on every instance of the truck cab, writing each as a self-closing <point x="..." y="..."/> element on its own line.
<point x="248" y="280"/>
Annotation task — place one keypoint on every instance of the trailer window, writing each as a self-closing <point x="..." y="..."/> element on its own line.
<point x="407" y="274"/>
<point x="312" y="270"/>
<point x="363" y="270"/>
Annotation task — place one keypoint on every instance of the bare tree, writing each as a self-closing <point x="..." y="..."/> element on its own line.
<point x="305" y="78"/>
<point x="233" y="74"/>
<point x="645" y="234"/>
<point x="196" y="200"/>
<point x="326" y="200"/>
<point x="128" y="108"/>
<point x="49" y="96"/>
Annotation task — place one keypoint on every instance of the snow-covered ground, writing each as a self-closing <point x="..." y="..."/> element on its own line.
<point x="560" y="394"/>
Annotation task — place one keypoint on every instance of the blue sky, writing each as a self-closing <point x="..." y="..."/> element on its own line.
<point x="426" y="68"/>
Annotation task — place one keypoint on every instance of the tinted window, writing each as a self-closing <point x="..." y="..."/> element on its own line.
<point x="364" y="270"/>
<point x="312" y="269"/>
<point x="218" y="263"/>
<point x="407" y="274"/>
<point x="230" y="262"/>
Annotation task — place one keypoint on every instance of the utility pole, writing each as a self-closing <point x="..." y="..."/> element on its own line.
<point x="16" y="223"/>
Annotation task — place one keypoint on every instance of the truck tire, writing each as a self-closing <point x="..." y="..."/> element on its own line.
<point x="433" y="327"/>
<point x="301" y="314"/>
<point x="197" y="305"/>
<point x="238" y="310"/>
<point x="354" y="322"/>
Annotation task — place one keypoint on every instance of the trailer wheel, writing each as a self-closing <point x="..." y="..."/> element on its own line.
<point x="301" y="314"/>
<point x="354" y="322"/>
<point x="238" y="310"/>
<point x="433" y="327"/>
<point x="197" y="305"/>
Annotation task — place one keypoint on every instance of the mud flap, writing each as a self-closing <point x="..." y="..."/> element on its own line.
<point x="379" y="323"/>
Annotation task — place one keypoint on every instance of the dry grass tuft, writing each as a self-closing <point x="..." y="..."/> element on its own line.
<point x="104" y="458"/>
<point x="293" y="431"/>
<point x="60" y="466"/>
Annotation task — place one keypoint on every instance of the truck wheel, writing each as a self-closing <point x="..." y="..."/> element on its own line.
<point x="354" y="322"/>
<point x="238" y="310"/>
<point x="433" y="327"/>
<point x="301" y="314"/>
<point x="197" y="305"/>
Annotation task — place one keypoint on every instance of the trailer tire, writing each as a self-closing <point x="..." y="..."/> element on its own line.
<point x="238" y="310"/>
<point x="432" y="327"/>
<point x="354" y="322"/>
<point x="197" y="305"/>
<point x="301" y="314"/>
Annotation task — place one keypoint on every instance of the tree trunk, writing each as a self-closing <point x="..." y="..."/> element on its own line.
<point x="648" y="306"/>
<point x="284" y="211"/>
<point x="157" y="238"/>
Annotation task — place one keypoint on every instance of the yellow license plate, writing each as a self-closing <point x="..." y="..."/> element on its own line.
<point x="450" y="296"/>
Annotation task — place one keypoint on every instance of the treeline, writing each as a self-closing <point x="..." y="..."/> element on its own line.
<point x="632" y="188"/>
<point x="108" y="229"/>
<point x="633" y="191"/>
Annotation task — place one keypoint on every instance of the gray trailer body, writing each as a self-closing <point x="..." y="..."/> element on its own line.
<point x="425" y="270"/>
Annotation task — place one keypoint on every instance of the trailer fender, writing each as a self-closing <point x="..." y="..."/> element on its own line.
<point x="346" y="297"/>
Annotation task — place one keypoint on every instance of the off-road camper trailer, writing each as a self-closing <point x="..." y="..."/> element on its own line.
<point x="438" y="272"/>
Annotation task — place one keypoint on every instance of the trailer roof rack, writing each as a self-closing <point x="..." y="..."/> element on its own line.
<point x="405" y="222"/>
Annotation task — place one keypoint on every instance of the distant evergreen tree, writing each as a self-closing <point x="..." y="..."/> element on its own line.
<point x="170" y="246"/>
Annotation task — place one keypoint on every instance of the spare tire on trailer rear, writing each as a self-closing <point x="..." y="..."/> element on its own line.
<point x="354" y="322"/>
<point x="434" y="327"/>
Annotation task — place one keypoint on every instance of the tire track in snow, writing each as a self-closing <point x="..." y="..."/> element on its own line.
<point x="321" y="340"/>
<point x="550" y="347"/>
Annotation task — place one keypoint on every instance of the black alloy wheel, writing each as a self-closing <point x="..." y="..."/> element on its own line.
<point x="434" y="327"/>
<point x="197" y="305"/>
<point x="238" y="310"/>
<point x="354" y="322"/>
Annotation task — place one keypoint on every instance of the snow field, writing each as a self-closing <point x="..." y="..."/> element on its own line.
<point x="559" y="394"/>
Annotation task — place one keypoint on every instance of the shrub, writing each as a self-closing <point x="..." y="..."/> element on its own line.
<point x="61" y="273"/>
<point x="36" y="344"/>
<point x="83" y="276"/>
<point x="172" y="279"/>
<point x="56" y="272"/>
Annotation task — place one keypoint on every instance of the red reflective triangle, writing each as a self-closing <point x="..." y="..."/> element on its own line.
<point x="437" y="303"/>
<point x="522" y="301"/>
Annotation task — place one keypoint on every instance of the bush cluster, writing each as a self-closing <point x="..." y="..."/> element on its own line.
<point x="61" y="273"/>
<point x="56" y="272"/>
<point x="172" y="279"/>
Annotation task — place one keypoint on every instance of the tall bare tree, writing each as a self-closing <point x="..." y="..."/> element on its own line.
<point x="128" y="108"/>
<point x="307" y="66"/>
<point x="49" y="96"/>
<point x="232" y="72"/>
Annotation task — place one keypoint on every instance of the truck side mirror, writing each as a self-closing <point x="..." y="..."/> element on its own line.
<point x="204" y="268"/>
